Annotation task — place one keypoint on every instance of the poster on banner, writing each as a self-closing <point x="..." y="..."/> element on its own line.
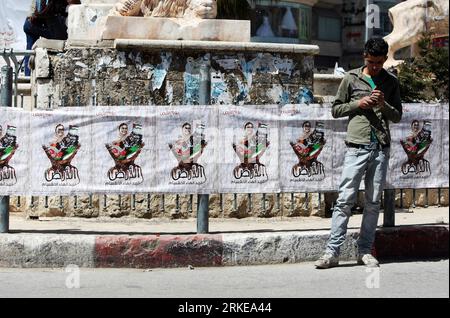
<point x="186" y="149"/>
<point x="14" y="144"/>
<point x="306" y="152"/>
<point x="248" y="149"/>
<point x="61" y="153"/>
<point x="123" y="148"/>
<point x="416" y="156"/>
<point x="445" y="150"/>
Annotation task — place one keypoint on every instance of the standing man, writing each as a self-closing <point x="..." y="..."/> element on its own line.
<point x="370" y="98"/>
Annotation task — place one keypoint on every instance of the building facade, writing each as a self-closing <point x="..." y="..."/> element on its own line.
<point x="337" y="26"/>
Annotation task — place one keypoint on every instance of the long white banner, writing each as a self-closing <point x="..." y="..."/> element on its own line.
<point x="204" y="149"/>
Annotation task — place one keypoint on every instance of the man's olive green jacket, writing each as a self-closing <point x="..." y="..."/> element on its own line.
<point x="360" y="121"/>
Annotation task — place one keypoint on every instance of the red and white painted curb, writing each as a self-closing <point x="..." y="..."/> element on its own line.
<point x="159" y="251"/>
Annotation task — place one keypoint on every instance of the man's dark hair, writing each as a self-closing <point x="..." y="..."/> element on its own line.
<point x="376" y="47"/>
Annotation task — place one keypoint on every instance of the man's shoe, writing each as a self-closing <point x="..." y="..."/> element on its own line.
<point x="368" y="260"/>
<point x="326" y="261"/>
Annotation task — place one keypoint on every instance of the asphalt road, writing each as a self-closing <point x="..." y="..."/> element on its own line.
<point x="396" y="279"/>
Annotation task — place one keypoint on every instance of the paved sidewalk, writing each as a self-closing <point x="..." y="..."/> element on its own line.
<point x="139" y="243"/>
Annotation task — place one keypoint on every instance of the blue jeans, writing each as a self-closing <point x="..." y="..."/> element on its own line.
<point x="374" y="164"/>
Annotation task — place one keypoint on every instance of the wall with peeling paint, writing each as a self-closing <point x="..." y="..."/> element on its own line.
<point x="173" y="77"/>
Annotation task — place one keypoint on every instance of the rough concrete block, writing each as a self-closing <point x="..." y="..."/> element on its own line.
<point x="42" y="63"/>
<point x="276" y="248"/>
<point x="86" y="22"/>
<point x="46" y="250"/>
<point x="50" y="45"/>
<point x="176" y="29"/>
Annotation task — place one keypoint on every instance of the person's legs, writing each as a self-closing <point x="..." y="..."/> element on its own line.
<point x="31" y="39"/>
<point x="374" y="185"/>
<point x="355" y="164"/>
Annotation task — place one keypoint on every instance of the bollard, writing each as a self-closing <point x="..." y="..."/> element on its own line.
<point x="5" y="100"/>
<point x="204" y="99"/>
<point x="389" y="208"/>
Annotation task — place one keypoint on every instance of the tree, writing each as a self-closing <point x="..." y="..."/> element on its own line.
<point x="425" y="78"/>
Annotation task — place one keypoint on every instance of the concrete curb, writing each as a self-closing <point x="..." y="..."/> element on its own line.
<point x="153" y="251"/>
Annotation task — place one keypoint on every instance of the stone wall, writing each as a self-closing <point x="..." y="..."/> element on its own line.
<point x="284" y="204"/>
<point x="114" y="77"/>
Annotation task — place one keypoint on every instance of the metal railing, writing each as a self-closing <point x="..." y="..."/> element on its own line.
<point x="11" y="58"/>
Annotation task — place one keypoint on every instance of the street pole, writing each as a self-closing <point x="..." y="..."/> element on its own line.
<point x="6" y="77"/>
<point x="204" y="99"/>
<point x="389" y="208"/>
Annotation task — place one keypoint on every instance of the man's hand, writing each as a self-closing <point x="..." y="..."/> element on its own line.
<point x="367" y="102"/>
<point x="378" y="97"/>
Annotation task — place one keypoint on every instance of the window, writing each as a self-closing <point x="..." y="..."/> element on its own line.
<point x="329" y="29"/>
<point x="281" y="22"/>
